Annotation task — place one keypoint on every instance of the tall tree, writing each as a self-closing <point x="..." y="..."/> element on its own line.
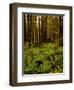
<point x="25" y="29"/>
<point x="61" y="30"/>
<point x="44" y="27"/>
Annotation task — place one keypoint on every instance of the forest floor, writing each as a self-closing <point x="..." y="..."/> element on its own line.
<point x="45" y="58"/>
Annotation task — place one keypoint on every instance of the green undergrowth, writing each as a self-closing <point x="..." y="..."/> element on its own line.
<point x="45" y="58"/>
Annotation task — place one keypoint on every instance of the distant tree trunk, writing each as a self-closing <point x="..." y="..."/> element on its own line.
<point x="61" y="24"/>
<point x="51" y="39"/>
<point x="26" y="28"/>
<point x="61" y="30"/>
<point x="25" y="36"/>
<point x="38" y="30"/>
<point x="28" y="25"/>
<point x="48" y="28"/>
<point x="35" y="32"/>
<point x="44" y="28"/>
<point x="31" y="27"/>
<point x="34" y="28"/>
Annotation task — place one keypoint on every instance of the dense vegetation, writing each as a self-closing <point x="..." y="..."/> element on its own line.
<point x="46" y="58"/>
<point x="43" y="44"/>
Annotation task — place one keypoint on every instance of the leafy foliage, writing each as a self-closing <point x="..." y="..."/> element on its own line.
<point x="44" y="58"/>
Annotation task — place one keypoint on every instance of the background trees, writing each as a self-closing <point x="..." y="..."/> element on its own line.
<point x="43" y="44"/>
<point x="43" y="28"/>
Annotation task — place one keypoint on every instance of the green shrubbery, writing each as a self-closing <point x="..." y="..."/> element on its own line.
<point x="45" y="58"/>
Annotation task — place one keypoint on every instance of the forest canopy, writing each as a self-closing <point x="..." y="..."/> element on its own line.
<point x="43" y="44"/>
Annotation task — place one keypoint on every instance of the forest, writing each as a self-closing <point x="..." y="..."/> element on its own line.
<point x="43" y="44"/>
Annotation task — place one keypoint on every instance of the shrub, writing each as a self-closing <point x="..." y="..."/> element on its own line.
<point x="47" y="58"/>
